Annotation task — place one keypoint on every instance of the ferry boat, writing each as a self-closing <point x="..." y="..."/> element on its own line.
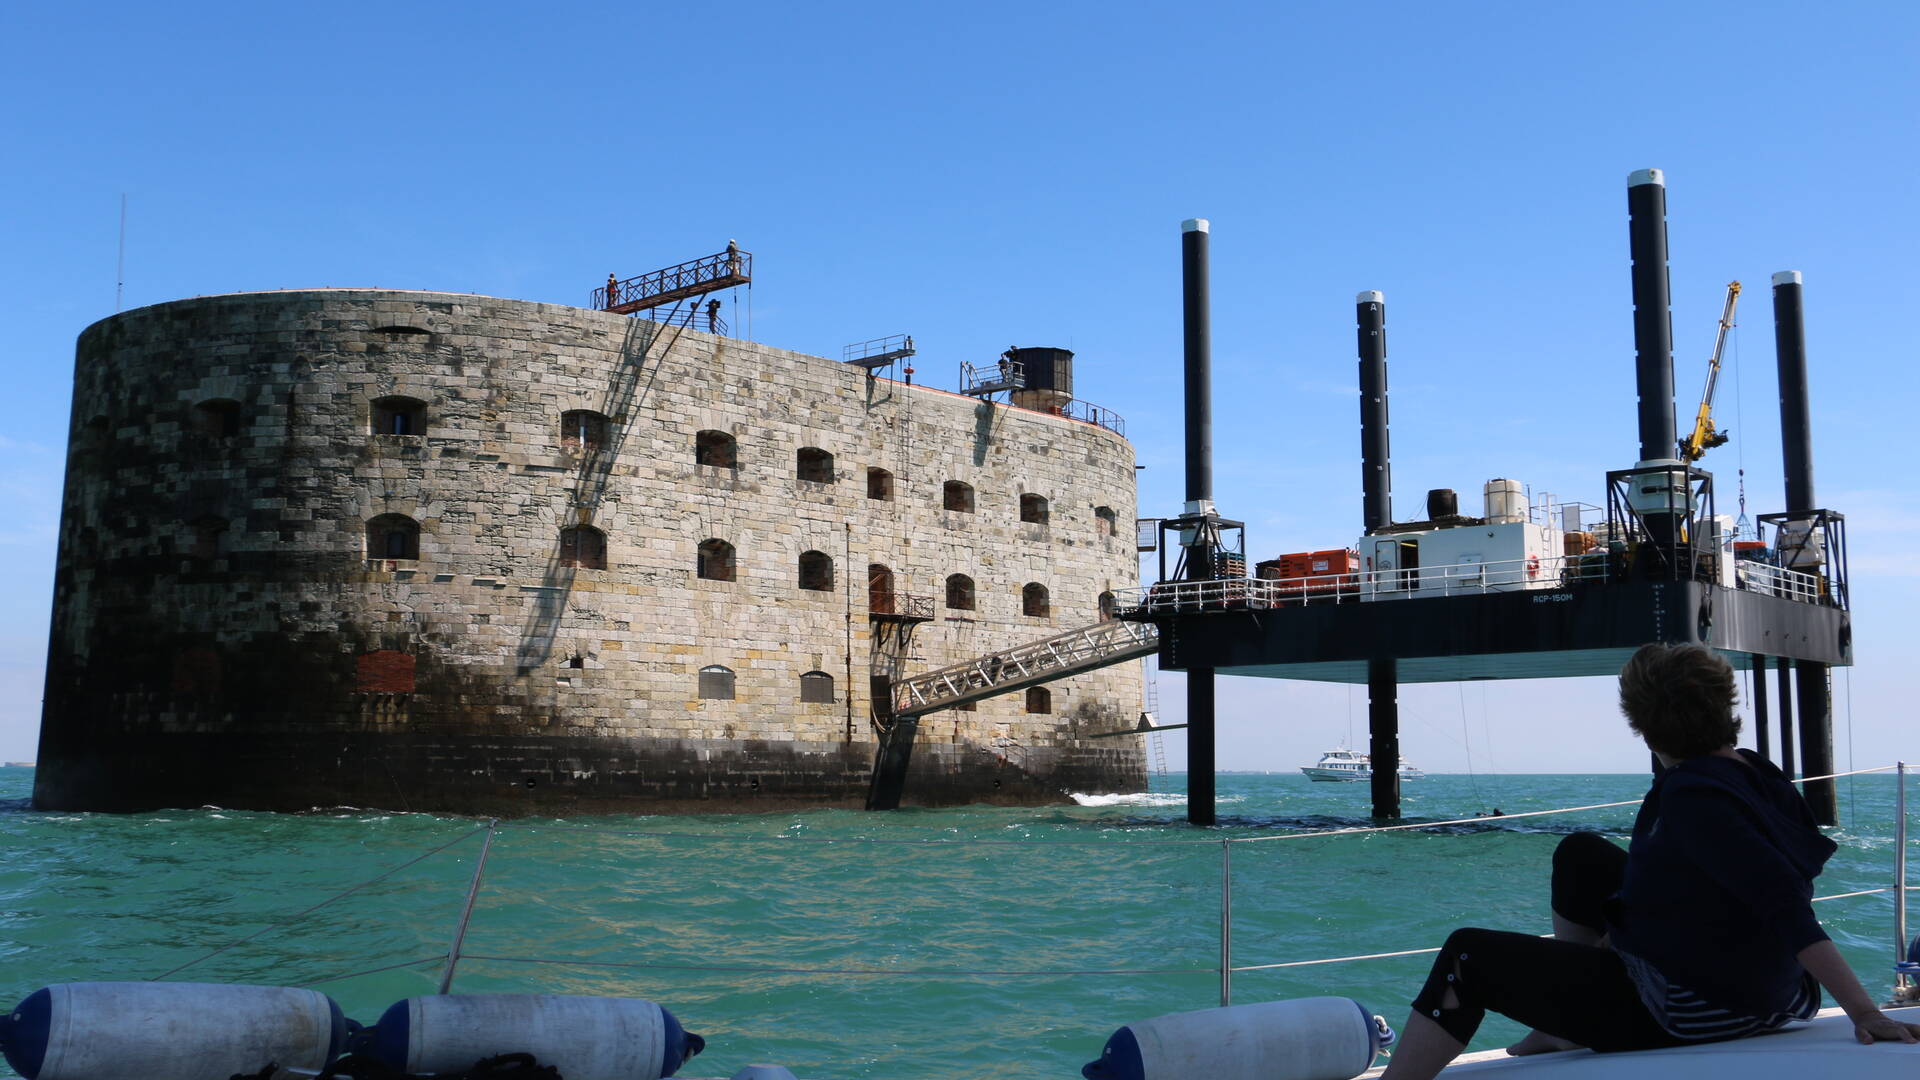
<point x="1346" y="766"/>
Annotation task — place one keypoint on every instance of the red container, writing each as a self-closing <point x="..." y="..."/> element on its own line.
<point x="1317" y="571"/>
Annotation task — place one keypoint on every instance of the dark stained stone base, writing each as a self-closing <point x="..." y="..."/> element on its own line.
<point x="515" y="776"/>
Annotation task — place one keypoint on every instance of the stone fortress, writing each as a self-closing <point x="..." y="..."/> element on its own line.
<point x="428" y="551"/>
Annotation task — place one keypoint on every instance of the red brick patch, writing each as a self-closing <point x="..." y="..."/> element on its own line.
<point x="384" y="672"/>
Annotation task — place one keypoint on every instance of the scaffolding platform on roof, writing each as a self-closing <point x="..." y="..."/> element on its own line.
<point x="878" y="353"/>
<point x="696" y="277"/>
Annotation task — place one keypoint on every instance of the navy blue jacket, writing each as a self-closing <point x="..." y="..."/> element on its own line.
<point x="1719" y="882"/>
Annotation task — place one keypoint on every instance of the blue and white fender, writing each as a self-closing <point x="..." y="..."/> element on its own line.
<point x="1324" y="1038"/>
<point x="170" y="1031"/>
<point x="585" y="1038"/>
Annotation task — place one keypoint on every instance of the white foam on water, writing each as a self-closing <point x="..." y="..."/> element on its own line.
<point x="1143" y="798"/>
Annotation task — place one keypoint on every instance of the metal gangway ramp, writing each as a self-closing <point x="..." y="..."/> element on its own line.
<point x="1087" y="648"/>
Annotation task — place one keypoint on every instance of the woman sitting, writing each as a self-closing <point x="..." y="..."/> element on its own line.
<point x="1702" y="929"/>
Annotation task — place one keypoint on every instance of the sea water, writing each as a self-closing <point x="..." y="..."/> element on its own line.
<point x="763" y="931"/>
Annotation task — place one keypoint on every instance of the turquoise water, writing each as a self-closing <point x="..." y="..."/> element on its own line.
<point x="661" y="901"/>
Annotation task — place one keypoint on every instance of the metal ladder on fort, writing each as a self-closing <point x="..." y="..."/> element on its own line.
<point x="1087" y="648"/>
<point x="1156" y="742"/>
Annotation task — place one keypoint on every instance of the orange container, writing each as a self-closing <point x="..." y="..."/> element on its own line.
<point x="1316" y="570"/>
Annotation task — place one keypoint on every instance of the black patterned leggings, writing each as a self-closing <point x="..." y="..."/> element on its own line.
<point x="1581" y="993"/>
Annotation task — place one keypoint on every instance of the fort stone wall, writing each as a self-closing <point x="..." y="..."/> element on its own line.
<point x="451" y="552"/>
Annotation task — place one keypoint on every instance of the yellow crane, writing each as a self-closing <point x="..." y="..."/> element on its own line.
<point x="1704" y="437"/>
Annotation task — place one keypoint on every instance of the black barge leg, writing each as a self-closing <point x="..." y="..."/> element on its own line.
<point x="1383" y="735"/>
<point x="1200" y="751"/>
<point x="1786" y="717"/>
<point x="1816" y="739"/>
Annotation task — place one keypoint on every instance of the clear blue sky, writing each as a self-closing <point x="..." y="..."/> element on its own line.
<point x="991" y="174"/>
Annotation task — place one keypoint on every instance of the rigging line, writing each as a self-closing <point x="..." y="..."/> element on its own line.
<point x="933" y="973"/>
<point x="369" y="971"/>
<point x="738" y="969"/>
<point x="1466" y="734"/>
<point x="1853" y="806"/>
<point x="1503" y="817"/>
<point x="303" y="914"/>
<point x="1425" y="952"/>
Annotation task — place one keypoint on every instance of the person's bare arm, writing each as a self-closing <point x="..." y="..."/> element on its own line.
<point x="1824" y="962"/>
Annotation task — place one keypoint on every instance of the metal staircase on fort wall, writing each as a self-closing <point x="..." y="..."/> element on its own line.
<point x="1087" y="648"/>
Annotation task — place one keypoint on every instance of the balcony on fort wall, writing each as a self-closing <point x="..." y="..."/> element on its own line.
<point x="900" y="607"/>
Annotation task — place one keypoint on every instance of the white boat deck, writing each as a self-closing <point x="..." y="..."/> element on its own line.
<point x="1823" y="1047"/>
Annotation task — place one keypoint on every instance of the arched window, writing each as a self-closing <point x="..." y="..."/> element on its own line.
<point x="393" y="536"/>
<point x="716" y="560"/>
<point x="582" y="431"/>
<point x="957" y="496"/>
<point x="816" y="571"/>
<point x="1033" y="509"/>
<point x="716" y="683"/>
<point x="583" y="546"/>
<point x="1106" y="606"/>
<point x="207" y="532"/>
<point x="960" y="592"/>
<point x="1033" y="601"/>
<point x="879" y="590"/>
<point x="816" y="686"/>
<point x="879" y="484"/>
<point x="1039" y="699"/>
<point x="399" y="416"/>
<point x="217" y="419"/>
<point x="815" y="464"/>
<point x="716" y="449"/>
<point x="1103" y="520"/>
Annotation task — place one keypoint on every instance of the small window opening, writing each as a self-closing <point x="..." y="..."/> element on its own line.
<point x="399" y="416"/>
<point x="393" y="536"/>
<point x="1107" y="606"/>
<point x="716" y="560"/>
<point x="583" y="431"/>
<point x="577" y="662"/>
<point x="957" y="496"/>
<point x="716" y="449"/>
<point x="1033" y="601"/>
<point x="971" y="706"/>
<point x="879" y="484"/>
<point x="816" y="571"/>
<point x="816" y="686"/>
<point x="815" y="464"/>
<point x="1033" y="509"/>
<point x="716" y="683"/>
<point x="218" y="419"/>
<point x="960" y="592"/>
<point x="1103" y="520"/>
<point x="583" y="547"/>
<point x="1039" y="699"/>
<point x="409" y="331"/>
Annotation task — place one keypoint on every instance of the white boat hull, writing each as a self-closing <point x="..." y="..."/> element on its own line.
<point x="1823" y="1047"/>
<point x="1350" y="776"/>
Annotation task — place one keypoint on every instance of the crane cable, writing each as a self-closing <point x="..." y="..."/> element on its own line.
<point x="1742" y="526"/>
